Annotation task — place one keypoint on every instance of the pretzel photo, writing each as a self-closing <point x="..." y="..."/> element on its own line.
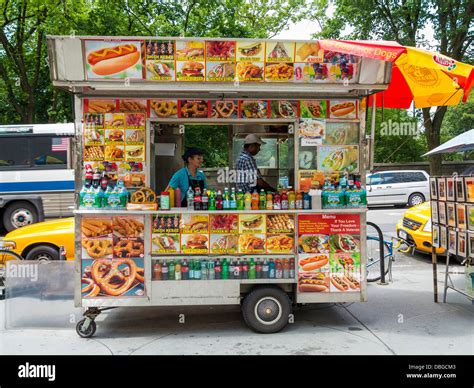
<point x="164" y="108"/>
<point x="145" y="195"/>
<point x="91" y="289"/>
<point x="194" y="109"/>
<point x="110" y="279"/>
<point x="128" y="249"/>
<point x="97" y="248"/>
<point x="225" y="108"/>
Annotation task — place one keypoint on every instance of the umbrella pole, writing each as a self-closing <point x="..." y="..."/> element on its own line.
<point x="434" y="260"/>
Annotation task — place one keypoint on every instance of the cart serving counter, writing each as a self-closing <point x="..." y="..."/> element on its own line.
<point x="136" y="99"/>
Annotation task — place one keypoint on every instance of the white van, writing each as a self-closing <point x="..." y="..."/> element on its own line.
<point x="398" y="187"/>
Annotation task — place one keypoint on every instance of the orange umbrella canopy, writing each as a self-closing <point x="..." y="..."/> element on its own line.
<point x="420" y="76"/>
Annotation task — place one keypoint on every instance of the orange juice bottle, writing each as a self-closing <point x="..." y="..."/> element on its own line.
<point x="269" y="201"/>
<point x="255" y="200"/>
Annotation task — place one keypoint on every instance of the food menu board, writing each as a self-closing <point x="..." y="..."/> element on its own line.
<point x="216" y="60"/>
<point x="112" y="257"/>
<point x="223" y="233"/>
<point x="328" y="253"/>
<point x="115" y="139"/>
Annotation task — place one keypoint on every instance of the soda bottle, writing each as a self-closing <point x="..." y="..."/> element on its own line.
<point x="271" y="269"/>
<point x="231" y="269"/>
<point x="205" y="200"/>
<point x="185" y="270"/>
<point x="262" y="200"/>
<point x="171" y="270"/>
<point x="292" y="268"/>
<point x="238" y="270"/>
<point x="218" y="270"/>
<point x="245" y="269"/>
<point x="177" y="270"/>
<point x="191" y="269"/>
<point x="157" y="270"/>
<point x="269" y="201"/>
<point x="226" y="203"/>
<point x="258" y="269"/>
<point x="278" y="269"/>
<point x="252" y="269"/>
<point x="177" y="198"/>
<point x="265" y="269"/>
<point x="225" y="269"/>
<point x="103" y="182"/>
<point x="190" y="198"/>
<point x="204" y="270"/>
<point x="211" y="270"/>
<point x="292" y="200"/>
<point x="197" y="199"/>
<point x="248" y="201"/>
<point x="299" y="200"/>
<point x="306" y="201"/>
<point x="286" y="269"/>
<point x="284" y="201"/>
<point x="240" y="200"/>
<point x="255" y="200"/>
<point x="219" y="201"/>
<point x="197" y="270"/>
<point x="233" y="200"/>
<point x="276" y="202"/>
<point x="164" y="271"/>
<point x="212" y="200"/>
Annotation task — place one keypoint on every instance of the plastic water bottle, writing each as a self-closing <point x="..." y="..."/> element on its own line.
<point x="190" y="198"/>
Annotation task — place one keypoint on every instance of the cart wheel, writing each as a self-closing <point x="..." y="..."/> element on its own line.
<point x="86" y="333"/>
<point x="266" y="309"/>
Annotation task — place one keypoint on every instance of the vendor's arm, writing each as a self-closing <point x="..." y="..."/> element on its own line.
<point x="176" y="180"/>
<point x="264" y="185"/>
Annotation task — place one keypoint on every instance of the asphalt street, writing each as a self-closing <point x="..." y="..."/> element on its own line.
<point x="399" y="318"/>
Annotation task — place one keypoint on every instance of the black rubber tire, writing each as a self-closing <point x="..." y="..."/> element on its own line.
<point x="413" y="196"/>
<point x="90" y="330"/>
<point x="259" y="295"/>
<point x="49" y="253"/>
<point x="11" y="208"/>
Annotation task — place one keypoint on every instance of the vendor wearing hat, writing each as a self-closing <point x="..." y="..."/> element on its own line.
<point x="247" y="166"/>
<point x="189" y="176"/>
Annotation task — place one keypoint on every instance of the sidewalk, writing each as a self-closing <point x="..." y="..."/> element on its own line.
<point x="400" y="318"/>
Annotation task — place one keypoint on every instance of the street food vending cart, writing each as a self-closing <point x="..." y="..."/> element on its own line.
<point x="135" y="100"/>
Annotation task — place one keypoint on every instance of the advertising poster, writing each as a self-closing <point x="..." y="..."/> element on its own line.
<point x="250" y="51"/>
<point x="283" y="109"/>
<point x="310" y="179"/>
<point x="113" y="59"/>
<point x="166" y="234"/>
<point x="254" y="109"/>
<point x="224" y="244"/>
<point x="311" y="132"/>
<point x="329" y="253"/>
<point x="190" y="65"/>
<point x="313" y="109"/>
<point x="194" y="244"/>
<point x="279" y="72"/>
<point x="224" y="223"/>
<point x="341" y="133"/>
<point x="334" y="158"/>
<point x="164" y="108"/>
<point x="160" y="65"/>
<point x="99" y="106"/>
<point x="191" y="223"/>
<point x="250" y="71"/>
<point x="220" y="61"/>
<point x="112" y="256"/>
<point x="342" y="109"/>
<point x="252" y="223"/>
<point x="470" y="217"/>
<point x="227" y="109"/>
<point x="252" y="243"/>
<point x="280" y="243"/>
<point x="193" y="108"/>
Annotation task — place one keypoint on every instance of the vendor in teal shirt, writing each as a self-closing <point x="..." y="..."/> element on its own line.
<point x="189" y="176"/>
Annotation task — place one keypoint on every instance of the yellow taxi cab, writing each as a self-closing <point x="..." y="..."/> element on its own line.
<point x="415" y="228"/>
<point x="42" y="241"/>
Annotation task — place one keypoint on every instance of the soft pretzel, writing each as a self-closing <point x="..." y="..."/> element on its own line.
<point x="164" y="108"/>
<point x="194" y="109"/>
<point x="97" y="248"/>
<point x="225" y="108"/>
<point x="128" y="248"/>
<point x="91" y="289"/>
<point x="145" y="195"/>
<point x="110" y="279"/>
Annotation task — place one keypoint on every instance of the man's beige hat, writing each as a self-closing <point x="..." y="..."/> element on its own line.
<point x="253" y="139"/>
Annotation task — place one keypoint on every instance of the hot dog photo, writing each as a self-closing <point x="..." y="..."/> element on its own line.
<point x="313" y="282"/>
<point x="116" y="59"/>
<point x="313" y="262"/>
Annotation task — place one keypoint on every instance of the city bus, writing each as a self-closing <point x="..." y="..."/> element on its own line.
<point x="36" y="173"/>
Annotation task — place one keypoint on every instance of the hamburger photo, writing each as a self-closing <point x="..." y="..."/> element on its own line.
<point x="192" y="69"/>
<point x="196" y="241"/>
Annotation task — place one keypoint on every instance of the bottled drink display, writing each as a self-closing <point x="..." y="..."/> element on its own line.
<point x="223" y="269"/>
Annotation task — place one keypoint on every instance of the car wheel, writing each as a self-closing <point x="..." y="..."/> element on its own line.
<point x="19" y="214"/>
<point x="416" y="199"/>
<point x="43" y="253"/>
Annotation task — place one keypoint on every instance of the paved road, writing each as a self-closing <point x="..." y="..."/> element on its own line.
<point x="399" y="318"/>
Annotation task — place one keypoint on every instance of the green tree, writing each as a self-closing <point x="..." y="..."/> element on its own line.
<point x="404" y="21"/>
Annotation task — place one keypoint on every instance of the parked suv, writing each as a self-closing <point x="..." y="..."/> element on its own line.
<point x="398" y="187"/>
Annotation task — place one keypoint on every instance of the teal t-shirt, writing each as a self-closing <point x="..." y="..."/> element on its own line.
<point x="181" y="179"/>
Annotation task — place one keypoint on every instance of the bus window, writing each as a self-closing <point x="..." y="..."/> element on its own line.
<point x="48" y="151"/>
<point x="14" y="152"/>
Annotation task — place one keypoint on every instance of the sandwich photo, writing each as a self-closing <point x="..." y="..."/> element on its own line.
<point x="250" y="49"/>
<point x="195" y="241"/>
<point x="191" y="69"/>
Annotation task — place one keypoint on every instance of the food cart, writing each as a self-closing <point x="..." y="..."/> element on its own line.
<point x="135" y="98"/>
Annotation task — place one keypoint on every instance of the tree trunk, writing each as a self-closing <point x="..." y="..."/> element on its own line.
<point x="433" y="136"/>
